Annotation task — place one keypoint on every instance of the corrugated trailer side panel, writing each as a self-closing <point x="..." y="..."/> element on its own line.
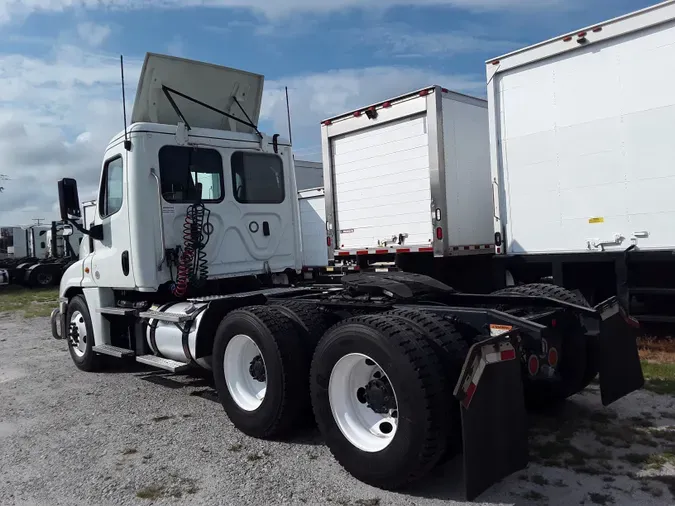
<point x="467" y="179"/>
<point x="584" y="143"/>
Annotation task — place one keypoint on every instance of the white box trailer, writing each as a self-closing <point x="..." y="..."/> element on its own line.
<point x="313" y="227"/>
<point x="408" y="175"/>
<point x="582" y="155"/>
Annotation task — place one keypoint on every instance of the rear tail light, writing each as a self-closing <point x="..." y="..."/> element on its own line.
<point x="329" y="241"/>
<point x="533" y="365"/>
<point x="439" y="233"/>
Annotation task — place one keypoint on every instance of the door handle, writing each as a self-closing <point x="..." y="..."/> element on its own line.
<point x="266" y="228"/>
<point x="125" y="263"/>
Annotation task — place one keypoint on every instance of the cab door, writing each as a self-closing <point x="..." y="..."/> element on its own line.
<point x="111" y="260"/>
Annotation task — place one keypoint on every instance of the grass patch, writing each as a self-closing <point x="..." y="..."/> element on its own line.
<point x="657" y="350"/>
<point x="659" y="378"/>
<point x="658" y="461"/>
<point x="31" y="303"/>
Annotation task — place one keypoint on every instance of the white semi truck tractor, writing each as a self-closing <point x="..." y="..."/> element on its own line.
<point x="193" y="260"/>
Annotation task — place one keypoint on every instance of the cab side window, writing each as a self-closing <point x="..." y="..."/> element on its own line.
<point x="111" y="196"/>
<point x="257" y="178"/>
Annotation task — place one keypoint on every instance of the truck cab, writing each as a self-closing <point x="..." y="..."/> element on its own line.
<point x="192" y="185"/>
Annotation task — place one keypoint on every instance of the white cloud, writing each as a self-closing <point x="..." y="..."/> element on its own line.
<point x="176" y="47"/>
<point x="56" y="117"/>
<point x="92" y="33"/>
<point x="267" y="8"/>
<point x="315" y="97"/>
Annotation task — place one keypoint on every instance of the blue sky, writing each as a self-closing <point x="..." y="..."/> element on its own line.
<point x="59" y="89"/>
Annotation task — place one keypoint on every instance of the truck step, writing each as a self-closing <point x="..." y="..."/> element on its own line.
<point x="117" y="311"/>
<point x="163" y="363"/>
<point x="168" y="317"/>
<point x="113" y="351"/>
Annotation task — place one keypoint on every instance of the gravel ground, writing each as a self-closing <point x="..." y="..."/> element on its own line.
<point x="138" y="436"/>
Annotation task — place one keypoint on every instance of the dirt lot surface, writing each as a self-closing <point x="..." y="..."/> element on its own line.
<point x="138" y="436"/>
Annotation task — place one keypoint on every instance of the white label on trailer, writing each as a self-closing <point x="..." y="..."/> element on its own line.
<point x="168" y="210"/>
<point x="347" y="231"/>
<point x="498" y="330"/>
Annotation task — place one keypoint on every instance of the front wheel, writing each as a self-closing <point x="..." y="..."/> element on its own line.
<point x="380" y="400"/>
<point x="80" y="335"/>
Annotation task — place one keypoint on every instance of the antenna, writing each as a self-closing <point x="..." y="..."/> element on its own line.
<point x="288" y="112"/>
<point x="127" y="142"/>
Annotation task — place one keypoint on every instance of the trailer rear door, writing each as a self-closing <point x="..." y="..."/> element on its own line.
<point x="382" y="184"/>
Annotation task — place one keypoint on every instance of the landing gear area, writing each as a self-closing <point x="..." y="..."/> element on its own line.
<point x="400" y="372"/>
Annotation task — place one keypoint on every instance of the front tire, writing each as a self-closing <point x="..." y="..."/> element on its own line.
<point x="80" y="334"/>
<point x="260" y="370"/>
<point x="379" y="400"/>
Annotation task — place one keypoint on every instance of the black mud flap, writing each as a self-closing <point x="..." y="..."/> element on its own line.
<point x="616" y="352"/>
<point x="494" y="420"/>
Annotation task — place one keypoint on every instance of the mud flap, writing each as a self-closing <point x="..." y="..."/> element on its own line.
<point x="494" y="420"/>
<point x="616" y="352"/>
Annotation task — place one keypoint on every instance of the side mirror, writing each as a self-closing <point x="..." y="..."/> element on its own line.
<point x="67" y="230"/>
<point x="69" y="201"/>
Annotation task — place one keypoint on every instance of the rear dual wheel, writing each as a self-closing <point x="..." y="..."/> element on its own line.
<point x="380" y="399"/>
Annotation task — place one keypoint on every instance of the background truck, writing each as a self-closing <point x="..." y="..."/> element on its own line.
<point x="582" y="161"/>
<point x="193" y="259"/>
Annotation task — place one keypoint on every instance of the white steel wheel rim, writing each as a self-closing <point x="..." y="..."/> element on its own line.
<point x="77" y="324"/>
<point x="246" y="391"/>
<point x="362" y="426"/>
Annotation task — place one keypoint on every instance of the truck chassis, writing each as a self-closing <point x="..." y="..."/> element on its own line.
<point x="400" y="371"/>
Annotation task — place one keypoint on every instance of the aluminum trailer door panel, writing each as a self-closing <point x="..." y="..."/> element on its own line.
<point x="585" y="144"/>
<point x="382" y="184"/>
<point x="313" y="226"/>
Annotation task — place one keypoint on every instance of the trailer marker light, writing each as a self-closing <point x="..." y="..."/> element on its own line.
<point x="403" y="250"/>
<point x="533" y="365"/>
<point x="357" y="114"/>
<point x="445" y="90"/>
<point x="508" y="355"/>
<point x="327" y="122"/>
<point x="438" y="215"/>
<point x="362" y="252"/>
<point x="554" y="323"/>
<point x="597" y="29"/>
<point x="343" y="253"/>
<point x="582" y="34"/>
<point x="567" y="39"/>
<point x="381" y="251"/>
<point x="426" y="250"/>
<point x="86" y="269"/>
<point x="499" y="250"/>
<point x="424" y="93"/>
<point x="496" y="62"/>
<point x="439" y="233"/>
<point x="552" y="357"/>
<point x="386" y="105"/>
<point x="328" y="241"/>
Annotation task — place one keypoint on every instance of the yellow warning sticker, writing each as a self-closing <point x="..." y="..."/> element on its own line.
<point x="596" y="220"/>
<point x="497" y="330"/>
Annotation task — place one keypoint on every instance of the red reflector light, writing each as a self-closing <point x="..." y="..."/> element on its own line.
<point x="381" y="251"/>
<point x="469" y="394"/>
<point x="403" y="250"/>
<point x="357" y="114"/>
<point x="499" y="250"/>
<point x="439" y="233"/>
<point x="533" y="365"/>
<point x="597" y="29"/>
<point x="386" y="105"/>
<point x="362" y="252"/>
<point x="554" y="323"/>
<point x="329" y="241"/>
<point x="567" y="39"/>
<point x="508" y="355"/>
<point x="343" y="253"/>
<point x="445" y="90"/>
<point x="552" y="357"/>
<point x="582" y="34"/>
<point x="496" y="62"/>
<point x="426" y="250"/>
<point x="424" y="93"/>
<point x="327" y="122"/>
